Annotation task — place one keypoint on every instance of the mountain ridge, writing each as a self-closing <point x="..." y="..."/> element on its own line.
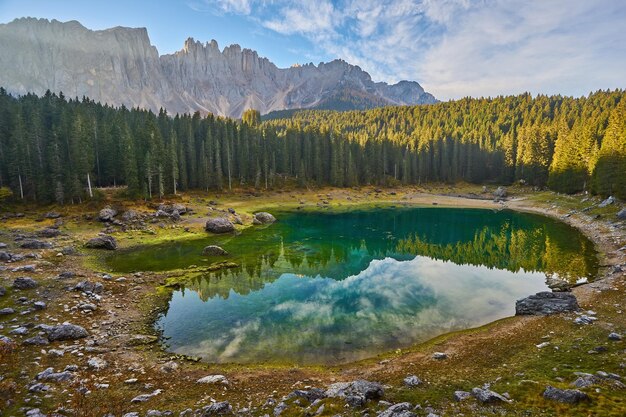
<point x="120" y="66"/>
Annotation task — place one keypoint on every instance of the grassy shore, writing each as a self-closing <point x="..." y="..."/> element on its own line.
<point x="503" y="354"/>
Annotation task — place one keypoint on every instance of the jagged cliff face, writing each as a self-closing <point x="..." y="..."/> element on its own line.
<point x="119" y="66"/>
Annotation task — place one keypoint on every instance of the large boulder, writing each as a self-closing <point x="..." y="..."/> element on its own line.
<point x="487" y="396"/>
<point x="356" y="393"/>
<point x="66" y="331"/>
<point x="5" y="256"/>
<point x="567" y="396"/>
<point x="35" y="244"/>
<point x="171" y="208"/>
<point x="219" y="225"/>
<point x="610" y="200"/>
<point x="213" y="250"/>
<point x="500" y="192"/>
<point x="621" y="214"/>
<point x="546" y="303"/>
<point x="107" y="214"/>
<point x="264" y="217"/>
<point x="130" y="216"/>
<point x="24" y="283"/>
<point x="102" y="242"/>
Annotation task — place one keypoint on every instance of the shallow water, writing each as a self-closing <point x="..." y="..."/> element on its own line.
<point x="329" y="287"/>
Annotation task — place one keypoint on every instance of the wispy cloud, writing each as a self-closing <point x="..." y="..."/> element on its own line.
<point x="460" y="47"/>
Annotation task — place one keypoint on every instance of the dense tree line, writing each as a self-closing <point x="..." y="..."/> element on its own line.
<point x="54" y="149"/>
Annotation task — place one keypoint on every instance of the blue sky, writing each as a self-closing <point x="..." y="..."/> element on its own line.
<point x="454" y="48"/>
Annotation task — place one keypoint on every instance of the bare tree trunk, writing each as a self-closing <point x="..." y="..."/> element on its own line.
<point x="19" y="177"/>
<point x="89" y="184"/>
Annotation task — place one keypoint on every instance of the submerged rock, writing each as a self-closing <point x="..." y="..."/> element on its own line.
<point x="213" y="250"/>
<point x="545" y="303"/>
<point x="567" y="396"/>
<point x="219" y="225"/>
<point x="264" y="217"/>
<point x="102" y="242"/>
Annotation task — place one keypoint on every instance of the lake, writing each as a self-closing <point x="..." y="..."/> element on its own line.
<point x="330" y="287"/>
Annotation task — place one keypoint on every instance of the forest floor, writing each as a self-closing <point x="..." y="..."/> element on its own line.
<point x="121" y="359"/>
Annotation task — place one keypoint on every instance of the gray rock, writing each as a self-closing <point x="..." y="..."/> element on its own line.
<point x="585" y="380"/>
<point x="3" y="291"/>
<point x="310" y="395"/>
<point x="219" y="225"/>
<point x="39" y="305"/>
<point x="38" y="387"/>
<point x="567" y="396"/>
<point x="5" y="256"/>
<point x="278" y="410"/>
<point x="97" y="363"/>
<point x="213" y="250"/>
<point x="107" y="214"/>
<point x="67" y="331"/>
<point x="20" y="331"/>
<point x="50" y="375"/>
<point x="487" y="396"/>
<point x="89" y="287"/>
<point x="398" y="410"/>
<point x="216" y="409"/>
<point x="440" y="356"/>
<point x="610" y="200"/>
<point x="412" y="381"/>
<point x="545" y="303"/>
<point x="6" y="340"/>
<point x="461" y="395"/>
<point x="356" y="393"/>
<point x="49" y="232"/>
<point x="52" y="215"/>
<point x="213" y="379"/>
<point x="264" y="217"/>
<point x="102" y="242"/>
<point x="36" y="341"/>
<point x="69" y="250"/>
<point x="24" y="283"/>
<point x="500" y="192"/>
<point x="615" y="336"/>
<point x="621" y="214"/>
<point x="130" y="215"/>
<point x="35" y="244"/>
<point x="35" y="412"/>
<point x="145" y="397"/>
<point x="6" y="311"/>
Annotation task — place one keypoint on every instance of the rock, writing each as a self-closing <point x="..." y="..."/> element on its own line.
<point x="461" y="395"/>
<point x="35" y="412"/>
<point x="35" y="244"/>
<point x="97" y="363"/>
<point x="48" y="232"/>
<point x="500" y="192"/>
<point x="584" y="319"/>
<point x="52" y="215"/>
<point x="621" y="214"/>
<point x="567" y="396"/>
<point x="145" y="397"/>
<point x="130" y="215"/>
<point x="487" y="396"/>
<point x="440" y="356"/>
<point x="218" y="408"/>
<point x="67" y="331"/>
<point x="69" y="250"/>
<point x="141" y="339"/>
<point x="398" y="410"/>
<point x="585" y="380"/>
<point x="356" y="393"/>
<point x="50" y="375"/>
<point x="278" y="410"/>
<point x="36" y="341"/>
<point x="545" y="303"/>
<point x="219" y="225"/>
<point x="20" y="331"/>
<point x="3" y="291"/>
<point x="412" y="381"/>
<point x="213" y="250"/>
<point x="213" y="379"/>
<point x="169" y="367"/>
<point x="38" y="387"/>
<point x="612" y="336"/>
<point x="24" y="283"/>
<point x="6" y="340"/>
<point x="107" y="214"/>
<point x="6" y="311"/>
<point x="610" y="200"/>
<point x="310" y="395"/>
<point x="5" y="256"/>
<point x="256" y="222"/>
<point x="89" y="287"/>
<point x="264" y="217"/>
<point x="102" y="242"/>
<point x="39" y="305"/>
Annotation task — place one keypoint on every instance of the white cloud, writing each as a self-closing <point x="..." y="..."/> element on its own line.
<point x="461" y="47"/>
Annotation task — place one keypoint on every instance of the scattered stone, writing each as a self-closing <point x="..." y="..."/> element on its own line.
<point x="213" y="379"/>
<point x="107" y="214"/>
<point x="141" y="339"/>
<point x="356" y="393"/>
<point x="615" y="336"/>
<point x="67" y="331"/>
<point x="89" y="287"/>
<point x="35" y="244"/>
<point x="49" y="232"/>
<point x="52" y="215"/>
<point x="487" y="396"/>
<point x="545" y="303"/>
<point x="567" y="396"/>
<point x="130" y="215"/>
<point x="169" y="367"/>
<point x="542" y="345"/>
<point x="500" y="192"/>
<point x="102" y="242"/>
<point x="20" y="331"/>
<point x="310" y="395"/>
<point x="584" y="319"/>
<point x="398" y="410"/>
<point x="6" y="340"/>
<point x="38" y="387"/>
<point x="412" y="381"/>
<point x="5" y="256"/>
<point x="24" y="283"/>
<point x="35" y="412"/>
<point x="6" y="311"/>
<point x="439" y="356"/>
<point x="278" y="410"/>
<point x="213" y="250"/>
<point x="69" y="250"/>
<point x="145" y="397"/>
<point x="39" y="305"/>
<point x="219" y="225"/>
<point x="218" y="408"/>
<point x="97" y="363"/>
<point x="610" y="200"/>
<point x="264" y="217"/>
<point x="461" y="395"/>
<point x="50" y="375"/>
<point x="621" y="214"/>
<point x="585" y="380"/>
<point x="3" y="291"/>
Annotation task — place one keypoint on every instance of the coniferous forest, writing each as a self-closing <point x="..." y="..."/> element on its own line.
<point x="57" y="150"/>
